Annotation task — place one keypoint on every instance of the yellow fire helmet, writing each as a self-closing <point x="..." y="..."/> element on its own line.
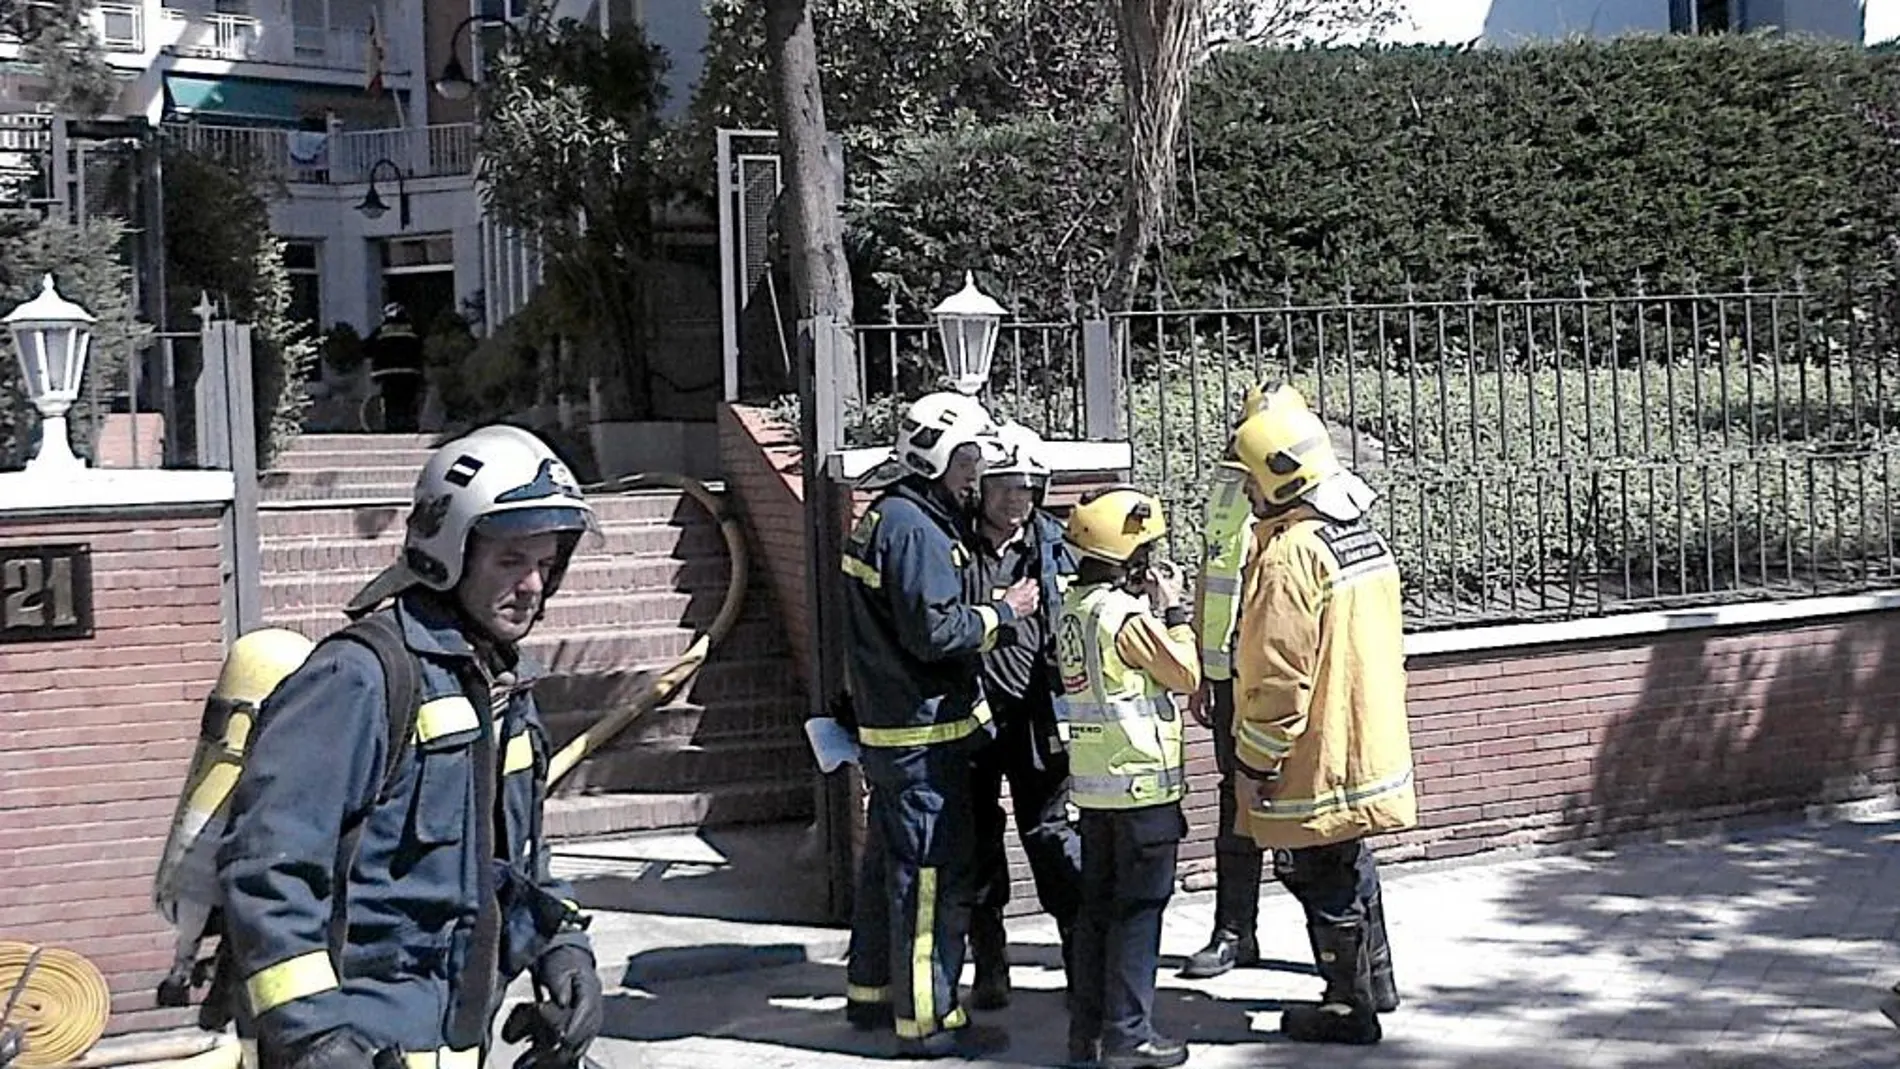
<point x="1112" y="523"/>
<point x="258" y="661"/>
<point x="1286" y="449"/>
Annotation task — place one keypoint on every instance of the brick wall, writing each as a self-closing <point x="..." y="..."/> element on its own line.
<point x="129" y="441"/>
<point x="95" y="737"/>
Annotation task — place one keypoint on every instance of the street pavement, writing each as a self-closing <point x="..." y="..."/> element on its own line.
<point x="1770" y="948"/>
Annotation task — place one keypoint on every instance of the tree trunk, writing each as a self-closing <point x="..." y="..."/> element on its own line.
<point x="1159" y="41"/>
<point x="821" y="277"/>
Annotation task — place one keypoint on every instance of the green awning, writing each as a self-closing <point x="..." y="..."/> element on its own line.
<point x="246" y="98"/>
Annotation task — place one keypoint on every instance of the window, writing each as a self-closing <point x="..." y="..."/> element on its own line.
<point x="302" y="260"/>
<point x="1705" y="16"/>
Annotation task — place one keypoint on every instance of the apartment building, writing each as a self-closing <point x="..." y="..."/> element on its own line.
<point x="336" y="99"/>
<point x="1506" y="22"/>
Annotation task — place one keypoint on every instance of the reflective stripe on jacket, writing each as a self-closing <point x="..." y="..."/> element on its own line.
<point x="1229" y="538"/>
<point x="415" y="892"/>
<point x="912" y="641"/>
<point x="1124" y="730"/>
<point x="1320" y="683"/>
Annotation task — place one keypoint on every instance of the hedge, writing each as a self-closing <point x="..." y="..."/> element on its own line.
<point x="1719" y="155"/>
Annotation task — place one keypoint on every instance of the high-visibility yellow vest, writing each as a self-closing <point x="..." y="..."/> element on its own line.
<point x="1228" y="514"/>
<point x="1124" y="731"/>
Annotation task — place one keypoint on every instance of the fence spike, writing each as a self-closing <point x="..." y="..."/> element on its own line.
<point x="1641" y="287"/>
<point x="1471" y="284"/>
<point x="1529" y="287"/>
<point x="1692" y="278"/>
<point x="1286" y="292"/>
<point x="890" y="309"/>
<point x="1410" y="289"/>
<point x="1583" y="284"/>
<point x="1748" y="277"/>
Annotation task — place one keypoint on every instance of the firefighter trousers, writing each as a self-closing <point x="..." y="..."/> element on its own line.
<point x="1038" y="776"/>
<point x="912" y="908"/>
<point x="1128" y="859"/>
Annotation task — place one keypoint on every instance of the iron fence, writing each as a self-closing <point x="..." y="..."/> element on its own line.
<point x="1555" y="456"/>
<point x="1543" y="456"/>
<point x="1035" y="375"/>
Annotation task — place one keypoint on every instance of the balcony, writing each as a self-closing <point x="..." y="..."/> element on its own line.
<point x="332" y="159"/>
<point x="246" y="38"/>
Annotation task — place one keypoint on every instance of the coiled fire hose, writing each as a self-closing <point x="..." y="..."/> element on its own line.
<point x="88" y="1025"/>
<point x="53" y="1006"/>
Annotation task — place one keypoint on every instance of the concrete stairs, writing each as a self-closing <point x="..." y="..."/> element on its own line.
<point x="729" y="750"/>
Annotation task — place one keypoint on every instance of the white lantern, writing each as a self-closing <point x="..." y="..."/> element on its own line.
<point x="969" y="321"/>
<point x="52" y="337"/>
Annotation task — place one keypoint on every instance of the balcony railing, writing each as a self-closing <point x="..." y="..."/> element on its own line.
<point x="217" y="35"/>
<point x="333" y="159"/>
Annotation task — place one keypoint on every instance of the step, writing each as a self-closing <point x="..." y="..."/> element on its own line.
<point x="664" y="764"/>
<point x="776" y="717"/>
<point x="314" y="459"/>
<point x="727" y="676"/>
<point x="761" y="801"/>
<point x="579" y="650"/>
<point x="292" y="585"/>
<point x="334" y="442"/>
<point x="352" y="517"/>
<point x="303" y="555"/>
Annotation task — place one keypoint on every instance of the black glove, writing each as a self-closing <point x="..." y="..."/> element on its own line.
<point x="339" y="1048"/>
<point x="560" y="1026"/>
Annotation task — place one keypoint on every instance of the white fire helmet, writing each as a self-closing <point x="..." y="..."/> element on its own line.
<point x="1023" y="464"/>
<point x="936" y="425"/>
<point x="499" y="480"/>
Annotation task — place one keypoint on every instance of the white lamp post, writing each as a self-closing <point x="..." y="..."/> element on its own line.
<point x="969" y="321"/>
<point x="52" y="336"/>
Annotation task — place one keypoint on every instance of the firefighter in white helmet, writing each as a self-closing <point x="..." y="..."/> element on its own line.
<point x="1013" y="539"/>
<point x="1320" y="733"/>
<point x="385" y="876"/>
<point x="912" y="645"/>
<point x="1123" y="650"/>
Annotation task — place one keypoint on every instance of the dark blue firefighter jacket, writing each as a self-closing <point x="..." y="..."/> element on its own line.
<point x="415" y="893"/>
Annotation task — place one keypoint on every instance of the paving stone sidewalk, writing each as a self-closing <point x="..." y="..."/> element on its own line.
<point x="1768" y="949"/>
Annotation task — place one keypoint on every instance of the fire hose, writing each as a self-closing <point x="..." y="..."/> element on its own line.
<point x="63" y="1001"/>
<point x="53" y="1006"/>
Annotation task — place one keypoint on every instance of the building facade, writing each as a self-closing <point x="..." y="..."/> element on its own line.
<point x="334" y="99"/>
<point x="1506" y="22"/>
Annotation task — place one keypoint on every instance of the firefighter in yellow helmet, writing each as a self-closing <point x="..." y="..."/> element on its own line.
<point x="1229" y="541"/>
<point x="1123" y="649"/>
<point x="1319" y="729"/>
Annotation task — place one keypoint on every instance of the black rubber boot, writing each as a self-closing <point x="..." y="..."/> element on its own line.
<point x="1385" y="989"/>
<point x="970" y="1042"/>
<point x="870" y="1016"/>
<point x="989" y="950"/>
<point x="1345" y="1013"/>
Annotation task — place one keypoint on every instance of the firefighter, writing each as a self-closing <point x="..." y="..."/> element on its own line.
<point x="395" y="365"/>
<point x="1123" y="649"/>
<point x="912" y="659"/>
<point x="1015" y="539"/>
<point x="376" y="908"/>
<point x="1237" y="861"/>
<point x="1320" y="735"/>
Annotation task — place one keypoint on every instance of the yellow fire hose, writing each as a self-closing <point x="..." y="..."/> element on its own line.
<point x="66" y="1002"/>
<point x="60" y="1009"/>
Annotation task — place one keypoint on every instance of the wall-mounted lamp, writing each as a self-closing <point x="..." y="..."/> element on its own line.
<point x="373" y="206"/>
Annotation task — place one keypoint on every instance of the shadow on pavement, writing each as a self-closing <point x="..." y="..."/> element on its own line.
<point x="801" y="1007"/>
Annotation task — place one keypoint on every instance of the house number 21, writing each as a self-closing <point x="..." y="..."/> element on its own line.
<point x="45" y="592"/>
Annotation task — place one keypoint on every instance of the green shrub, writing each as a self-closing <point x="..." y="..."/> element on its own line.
<point x="1720" y="155"/>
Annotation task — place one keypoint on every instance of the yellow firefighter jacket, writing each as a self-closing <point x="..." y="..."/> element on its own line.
<point x="1319" y="687"/>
